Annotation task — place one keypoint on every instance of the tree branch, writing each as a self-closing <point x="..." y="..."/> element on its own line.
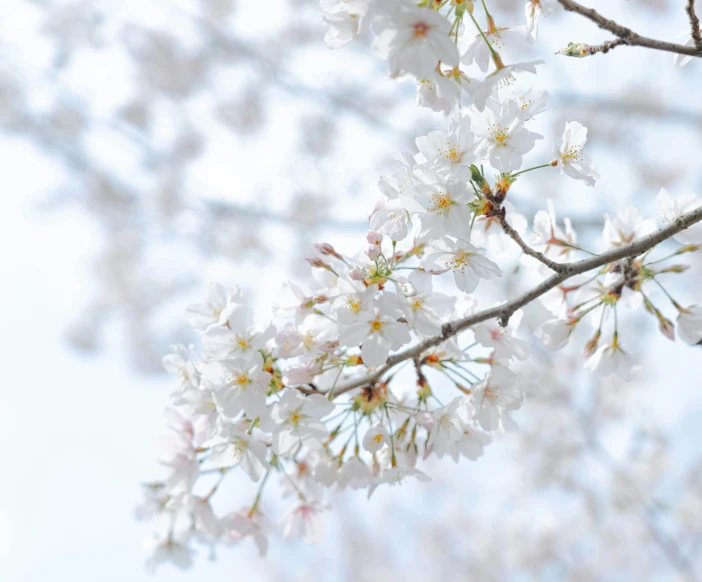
<point x="505" y="310"/>
<point x="694" y="24"/>
<point x="627" y="35"/>
<point x="514" y="235"/>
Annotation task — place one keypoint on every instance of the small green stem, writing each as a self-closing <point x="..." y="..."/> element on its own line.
<point x="530" y="169"/>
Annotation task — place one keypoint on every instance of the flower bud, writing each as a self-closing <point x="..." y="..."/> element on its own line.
<point x="373" y="252"/>
<point x="374" y="238"/>
<point x="318" y="263"/>
<point x="666" y="327"/>
<point x="591" y="346"/>
<point x="425" y="420"/>
<point x="357" y="274"/>
<point x="326" y="249"/>
<point x="689" y="248"/>
<point x="578" y="50"/>
<point x="675" y="269"/>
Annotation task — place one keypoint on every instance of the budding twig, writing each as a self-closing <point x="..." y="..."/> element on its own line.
<point x="628" y="36"/>
<point x="505" y="310"/>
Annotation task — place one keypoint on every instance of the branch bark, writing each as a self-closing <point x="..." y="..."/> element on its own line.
<point x="627" y="35"/>
<point x="505" y="310"/>
<point x="514" y="235"/>
<point x="694" y="24"/>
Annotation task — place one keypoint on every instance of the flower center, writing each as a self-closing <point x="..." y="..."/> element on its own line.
<point x="451" y="153"/>
<point x="571" y="155"/>
<point x="440" y="202"/>
<point x="499" y="134"/>
<point x="420" y="30"/>
<point x="376" y="325"/>
<point x="459" y="261"/>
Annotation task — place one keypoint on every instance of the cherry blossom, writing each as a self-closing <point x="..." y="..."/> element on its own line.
<point x="690" y="324"/>
<point x="505" y="136"/>
<point x="414" y="41"/>
<point x="570" y="157"/>
<point x="467" y="262"/>
<point x="671" y="208"/>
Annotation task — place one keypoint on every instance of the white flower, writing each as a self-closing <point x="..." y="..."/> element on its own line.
<point x="414" y="41"/>
<point x="354" y="473"/>
<point x="502" y="77"/>
<point x="671" y="208"/>
<point x="611" y="359"/>
<point x="346" y="20"/>
<point x="295" y="420"/>
<point x="472" y="443"/>
<point x="379" y="333"/>
<point x="533" y="10"/>
<point x="424" y="309"/>
<point x="355" y="306"/>
<point x="181" y="363"/>
<point x="390" y="219"/>
<point x="239" y="447"/>
<point x="315" y="331"/>
<point x="450" y="152"/>
<point x="215" y="309"/>
<point x="531" y="103"/>
<point x="395" y="475"/>
<point x="242" y="386"/>
<point x="178" y="455"/>
<point x="492" y="335"/>
<point x="506" y="138"/>
<point x="467" y="262"/>
<point x="441" y="92"/>
<point x="169" y="548"/>
<point x="512" y="39"/>
<point x="627" y="226"/>
<point x="402" y="181"/>
<point x="375" y="439"/>
<point x="304" y="521"/>
<point x="494" y="398"/>
<point x="690" y="324"/>
<point x="554" y="333"/>
<point x="571" y="159"/>
<point x="245" y="523"/>
<point x="447" y="430"/>
<point x="238" y="337"/>
<point x="547" y="233"/>
<point x="442" y="206"/>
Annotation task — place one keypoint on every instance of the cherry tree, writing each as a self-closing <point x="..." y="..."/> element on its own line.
<point x="399" y="352"/>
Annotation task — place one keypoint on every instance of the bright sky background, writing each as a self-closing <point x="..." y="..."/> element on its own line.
<point x="76" y="432"/>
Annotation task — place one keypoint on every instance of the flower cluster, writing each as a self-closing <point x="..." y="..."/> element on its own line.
<point x="319" y="396"/>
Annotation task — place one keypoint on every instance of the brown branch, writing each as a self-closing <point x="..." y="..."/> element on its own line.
<point x="627" y="35"/>
<point x="694" y="24"/>
<point x="514" y="235"/>
<point x="605" y="47"/>
<point x="505" y="310"/>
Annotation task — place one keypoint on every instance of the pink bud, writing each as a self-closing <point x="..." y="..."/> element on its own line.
<point x="319" y="263"/>
<point x="357" y="274"/>
<point x="374" y="238"/>
<point x="373" y="252"/>
<point x="425" y="420"/>
<point x="326" y="249"/>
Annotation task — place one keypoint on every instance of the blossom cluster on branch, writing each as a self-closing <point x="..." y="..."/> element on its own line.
<point x="371" y="369"/>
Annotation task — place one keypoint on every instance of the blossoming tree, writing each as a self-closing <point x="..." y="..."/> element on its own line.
<point x="395" y="354"/>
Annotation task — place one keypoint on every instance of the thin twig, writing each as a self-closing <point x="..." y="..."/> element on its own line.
<point x="505" y="310"/>
<point x="694" y="24"/>
<point x="627" y="35"/>
<point x="514" y="235"/>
